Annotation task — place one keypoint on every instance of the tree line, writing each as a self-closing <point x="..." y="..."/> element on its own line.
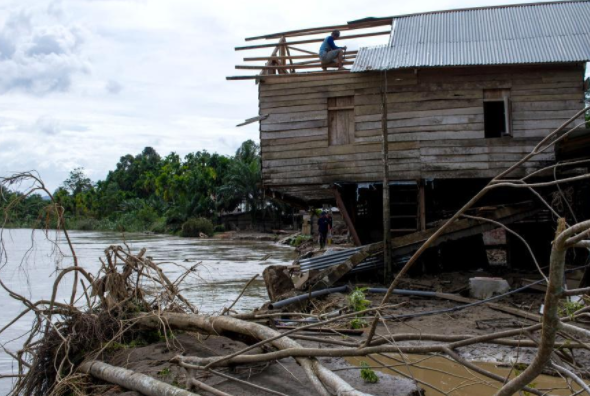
<point x="147" y="192"/>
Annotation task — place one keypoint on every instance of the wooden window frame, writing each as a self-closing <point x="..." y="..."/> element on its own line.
<point x="501" y="95"/>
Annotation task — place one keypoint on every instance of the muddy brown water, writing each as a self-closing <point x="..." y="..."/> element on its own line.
<point x="439" y="376"/>
<point x="28" y="265"/>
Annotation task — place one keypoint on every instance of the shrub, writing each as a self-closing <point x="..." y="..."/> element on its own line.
<point x="129" y="222"/>
<point x="159" y="226"/>
<point x="194" y="227"/>
<point x="84" y="224"/>
<point x="219" y="228"/>
<point x="569" y="308"/>
<point x="299" y="239"/>
<point x="147" y="215"/>
<point x="367" y="374"/>
<point x="357" y="300"/>
<point x="358" y="323"/>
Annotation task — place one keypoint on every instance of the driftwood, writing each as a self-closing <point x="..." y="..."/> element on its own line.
<point x="319" y="376"/>
<point x="128" y="379"/>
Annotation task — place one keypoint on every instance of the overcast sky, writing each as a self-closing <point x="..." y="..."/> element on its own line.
<point x="83" y="82"/>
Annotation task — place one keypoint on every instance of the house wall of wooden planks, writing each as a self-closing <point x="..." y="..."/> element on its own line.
<point x="435" y="123"/>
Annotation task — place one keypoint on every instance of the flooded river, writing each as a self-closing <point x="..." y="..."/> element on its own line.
<point x="31" y="261"/>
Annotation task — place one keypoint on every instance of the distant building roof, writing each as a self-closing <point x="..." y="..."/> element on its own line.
<point x="514" y="34"/>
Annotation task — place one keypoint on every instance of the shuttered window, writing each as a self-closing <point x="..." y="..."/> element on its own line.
<point x="341" y="120"/>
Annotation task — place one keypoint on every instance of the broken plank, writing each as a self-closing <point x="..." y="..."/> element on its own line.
<point x="253" y="119"/>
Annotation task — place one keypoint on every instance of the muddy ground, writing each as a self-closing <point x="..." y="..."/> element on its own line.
<point x="285" y="376"/>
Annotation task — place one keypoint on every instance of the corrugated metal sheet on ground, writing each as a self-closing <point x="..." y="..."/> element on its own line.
<point x="523" y="34"/>
<point x="333" y="258"/>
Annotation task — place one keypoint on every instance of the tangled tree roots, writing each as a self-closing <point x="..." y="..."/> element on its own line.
<point x="65" y="335"/>
<point x="69" y="344"/>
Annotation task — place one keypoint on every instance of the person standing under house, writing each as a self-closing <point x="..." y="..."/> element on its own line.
<point x="323" y="228"/>
<point x="330" y="228"/>
<point x="330" y="53"/>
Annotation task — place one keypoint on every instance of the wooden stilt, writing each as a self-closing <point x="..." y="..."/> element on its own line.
<point x="421" y="205"/>
<point x="346" y="217"/>
<point x="388" y="273"/>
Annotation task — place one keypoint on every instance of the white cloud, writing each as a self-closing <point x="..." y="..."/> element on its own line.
<point x="38" y="54"/>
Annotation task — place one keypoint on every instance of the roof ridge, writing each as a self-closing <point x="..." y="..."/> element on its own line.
<point x="471" y="9"/>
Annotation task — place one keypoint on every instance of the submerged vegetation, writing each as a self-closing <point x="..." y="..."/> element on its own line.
<point x="147" y="192"/>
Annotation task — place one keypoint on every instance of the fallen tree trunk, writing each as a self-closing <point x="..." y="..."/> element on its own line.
<point x="131" y="380"/>
<point x="321" y="378"/>
<point x="551" y="322"/>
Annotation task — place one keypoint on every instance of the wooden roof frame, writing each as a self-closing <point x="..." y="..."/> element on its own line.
<point x="281" y="62"/>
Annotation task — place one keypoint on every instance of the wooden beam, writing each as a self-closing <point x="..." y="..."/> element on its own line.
<point x="253" y="119"/>
<point x="285" y="198"/>
<point x="367" y="26"/>
<point x="290" y="59"/>
<point x="287" y="33"/>
<point x="388" y="274"/>
<point x="274" y="53"/>
<point x="263" y="58"/>
<point x="282" y="67"/>
<point x="323" y="29"/>
<point x="263" y="77"/>
<point x="463" y="228"/>
<point x="283" y="54"/>
<point x="346" y="217"/>
<point x="341" y="108"/>
<point x="421" y="205"/>
<point x="352" y="36"/>
<point x="303" y="50"/>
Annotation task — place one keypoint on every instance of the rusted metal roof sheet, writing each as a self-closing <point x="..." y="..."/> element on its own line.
<point x="517" y="34"/>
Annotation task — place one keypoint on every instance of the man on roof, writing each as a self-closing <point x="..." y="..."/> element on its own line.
<point x="330" y="53"/>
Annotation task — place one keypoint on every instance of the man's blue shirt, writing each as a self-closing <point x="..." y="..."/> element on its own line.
<point x="328" y="45"/>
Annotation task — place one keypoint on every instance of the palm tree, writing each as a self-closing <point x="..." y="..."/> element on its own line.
<point x="242" y="183"/>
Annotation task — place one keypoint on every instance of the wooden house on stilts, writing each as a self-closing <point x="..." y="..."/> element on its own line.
<point x="460" y="95"/>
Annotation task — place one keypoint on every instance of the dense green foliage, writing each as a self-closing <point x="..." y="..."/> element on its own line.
<point x="194" y="227"/>
<point x="146" y="192"/>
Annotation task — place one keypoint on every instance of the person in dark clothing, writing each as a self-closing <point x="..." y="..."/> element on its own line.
<point x="323" y="228"/>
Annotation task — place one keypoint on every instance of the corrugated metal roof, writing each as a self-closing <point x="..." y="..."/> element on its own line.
<point x="517" y="34"/>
